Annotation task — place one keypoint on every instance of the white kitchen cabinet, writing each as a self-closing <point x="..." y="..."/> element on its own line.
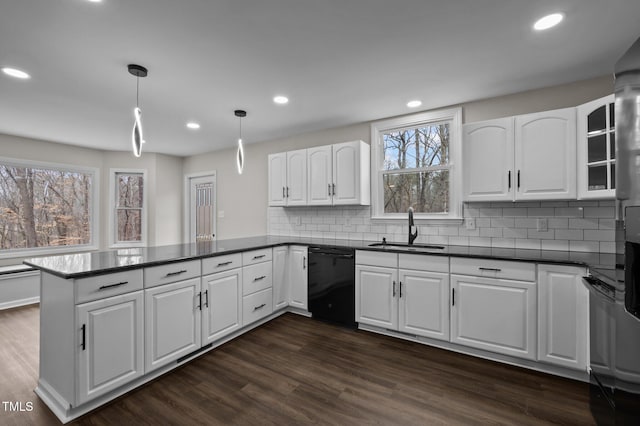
<point x="296" y="191"/>
<point x="376" y="302"/>
<point x="563" y="316"/>
<point x="596" y="149"/>
<point x="280" y="277"/>
<point x="423" y="301"/>
<point x="320" y="175"/>
<point x="351" y="180"/>
<point x="277" y="169"/>
<point x="111" y="344"/>
<point x="487" y="150"/>
<point x="298" y="278"/>
<point x="221" y="304"/>
<point x="526" y="157"/>
<point x="172" y="322"/>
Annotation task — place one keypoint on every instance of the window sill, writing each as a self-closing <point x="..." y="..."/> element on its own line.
<point x="137" y="244"/>
<point x="448" y="221"/>
<point x="46" y="251"/>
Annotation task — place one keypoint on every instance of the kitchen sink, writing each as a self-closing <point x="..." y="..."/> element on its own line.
<point x="407" y="246"/>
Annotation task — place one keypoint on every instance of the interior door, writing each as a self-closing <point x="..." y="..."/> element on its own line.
<point x="202" y="208"/>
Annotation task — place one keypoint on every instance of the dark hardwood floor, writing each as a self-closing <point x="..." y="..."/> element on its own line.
<point x="296" y="370"/>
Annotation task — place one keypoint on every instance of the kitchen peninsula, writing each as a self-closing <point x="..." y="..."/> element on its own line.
<point x="113" y="320"/>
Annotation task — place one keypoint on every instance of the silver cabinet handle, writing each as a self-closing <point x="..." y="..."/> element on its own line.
<point x="104" y="287"/>
<point x="490" y="269"/>
<point x="259" y="307"/>
<point x="260" y="278"/>
<point x="170" y="274"/>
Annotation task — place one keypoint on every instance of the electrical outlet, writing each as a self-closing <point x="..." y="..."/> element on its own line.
<point x="543" y="225"/>
<point x="220" y="213"/>
<point x="470" y="223"/>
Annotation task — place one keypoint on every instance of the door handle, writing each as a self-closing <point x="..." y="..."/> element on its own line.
<point x="260" y="278"/>
<point x="104" y="287"/>
<point x="287" y="192"/>
<point x="490" y="269"/>
<point x="518" y="180"/>
<point x="400" y="289"/>
<point x="333" y="185"/>
<point x="259" y="257"/>
<point x="225" y="263"/>
<point x="509" y="178"/>
<point x="259" y="307"/>
<point x="170" y="274"/>
<point x="83" y="345"/>
<point x="453" y="297"/>
<point x="199" y="301"/>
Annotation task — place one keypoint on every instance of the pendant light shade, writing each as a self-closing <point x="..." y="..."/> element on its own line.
<point x="240" y="153"/>
<point x="137" y="138"/>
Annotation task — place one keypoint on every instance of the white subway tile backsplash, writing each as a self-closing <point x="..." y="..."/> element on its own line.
<point x="607" y="247"/>
<point x="480" y="241"/>
<point x="514" y="212"/>
<point x="569" y="211"/>
<point x="558" y="223"/>
<point x="448" y="230"/>
<point x="554" y="245"/>
<point x="541" y="235"/>
<point x="527" y="244"/>
<point x="503" y="222"/>
<point x="491" y="232"/>
<point x="540" y="211"/>
<point x="583" y="223"/>
<point x="599" y="235"/>
<point x="600" y="212"/>
<point x="490" y="212"/>
<point x="503" y="242"/>
<point x="526" y="222"/>
<point x="515" y="232"/>
<point x="459" y="241"/>
<point x="589" y="246"/>
<point x="569" y="234"/>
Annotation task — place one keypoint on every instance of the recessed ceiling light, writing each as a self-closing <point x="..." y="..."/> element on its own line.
<point x="193" y="125"/>
<point x="548" y="21"/>
<point x="15" y="73"/>
<point x="281" y="100"/>
<point x="414" y="104"/>
<point x="95" y="1"/>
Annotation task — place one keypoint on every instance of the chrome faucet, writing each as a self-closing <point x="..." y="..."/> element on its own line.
<point x="412" y="236"/>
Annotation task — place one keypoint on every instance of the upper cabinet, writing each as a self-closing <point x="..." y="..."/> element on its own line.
<point x="527" y="157"/>
<point x="288" y="178"/>
<point x="597" y="149"/>
<point x="327" y="175"/>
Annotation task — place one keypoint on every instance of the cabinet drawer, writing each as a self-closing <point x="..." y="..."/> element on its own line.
<point x="256" y="306"/>
<point x="257" y="277"/>
<point x="171" y="272"/>
<point x="212" y="265"/>
<point x="256" y="256"/>
<point x="375" y="258"/>
<point x="421" y="262"/>
<point x="107" y="285"/>
<point x="491" y="268"/>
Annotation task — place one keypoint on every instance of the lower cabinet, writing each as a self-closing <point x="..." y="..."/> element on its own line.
<point x="563" y="316"/>
<point x="413" y="298"/>
<point x="280" y="277"/>
<point x="111" y="349"/>
<point x="497" y="315"/>
<point x="298" y="278"/>
<point x="221" y="305"/>
<point x="172" y="322"/>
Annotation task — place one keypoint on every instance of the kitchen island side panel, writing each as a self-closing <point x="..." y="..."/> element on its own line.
<point x="57" y="342"/>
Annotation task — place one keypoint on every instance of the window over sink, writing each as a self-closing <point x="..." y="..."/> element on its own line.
<point x="416" y="163"/>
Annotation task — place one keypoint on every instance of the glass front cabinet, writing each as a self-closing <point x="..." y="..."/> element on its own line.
<point x="597" y="149"/>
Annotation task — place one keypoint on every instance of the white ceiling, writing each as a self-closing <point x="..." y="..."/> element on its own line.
<point x="339" y="61"/>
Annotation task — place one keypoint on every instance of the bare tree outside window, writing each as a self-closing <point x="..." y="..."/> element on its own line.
<point x="129" y="204"/>
<point x="42" y="207"/>
<point x="416" y="169"/>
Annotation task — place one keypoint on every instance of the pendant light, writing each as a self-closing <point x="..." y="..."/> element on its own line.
<point x="136" y="135"/>
<point x="240" y="154"/>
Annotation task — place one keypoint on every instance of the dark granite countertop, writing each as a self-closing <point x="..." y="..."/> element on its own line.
<point x="102" y="262"/>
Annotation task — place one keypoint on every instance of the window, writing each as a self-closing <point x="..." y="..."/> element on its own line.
<point x="415" y="163"/>
<point x="45" y="207"/>
<point x="129" y="213"/>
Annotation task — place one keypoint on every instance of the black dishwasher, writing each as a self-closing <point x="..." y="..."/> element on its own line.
<point x="332" y="292"/>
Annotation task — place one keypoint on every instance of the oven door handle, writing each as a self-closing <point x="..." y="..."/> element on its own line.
<point x="593" y="285"/>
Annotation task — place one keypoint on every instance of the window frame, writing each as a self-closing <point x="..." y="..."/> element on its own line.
<point x="378" y="128"/>
<point x="94" y="211"/>
<point x="113" y="207"/>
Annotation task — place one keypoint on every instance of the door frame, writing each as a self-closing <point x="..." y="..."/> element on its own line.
<point x="186" y="209"/>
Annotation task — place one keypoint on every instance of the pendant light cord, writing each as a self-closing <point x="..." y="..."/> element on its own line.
<point x="240" y="118"/>
<point x="137" y="91"/>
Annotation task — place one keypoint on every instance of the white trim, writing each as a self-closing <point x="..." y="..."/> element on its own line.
<point x="94" y="210"/>
<point x="454" y="115"/>
<point x="186" y="206"/>
<point x="112" y="207"/>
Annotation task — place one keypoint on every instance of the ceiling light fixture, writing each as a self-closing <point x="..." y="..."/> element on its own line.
<point x="16" y="73"/>
<point x="414" y="104"/>
<point x="136" y="135"/>
<point x="281" y="100"/>
<point x="193" y="125"/>
<point x="240" y="154"/>
<point x="548" y="21"/>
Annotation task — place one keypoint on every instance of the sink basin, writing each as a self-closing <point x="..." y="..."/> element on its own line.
<point x="407" y="246"/>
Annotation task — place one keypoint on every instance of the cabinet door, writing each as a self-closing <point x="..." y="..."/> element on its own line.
<point x="494" y="314"/>
<point x="280" y="277"/>
<point x="298" y="277"/>
<point x="296" y="190"/>
<point x="172" y="322"/>
<point x="110" y="353"/>
<point x="487" y="152"/>
<point x="596" y="145"/>
<point x="563" y="316"/>
<point x="222" y="304"/>
<point x="346" y="173"/>
<point x="545" y="155"/>
<point x="376" y="302"/>
<point x="277" y="179"/>
<point x="423" y="299"/>
<point x="319" y="176"/>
